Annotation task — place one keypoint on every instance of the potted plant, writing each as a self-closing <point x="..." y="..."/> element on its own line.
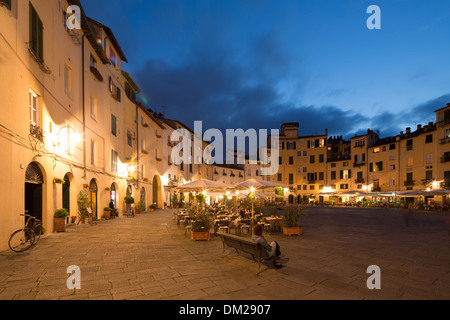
<point x="83" y="202"/>
<point x="201" y="226"/>
<point x="73" y="219"/>
<point x="140" y="207"/>
<point x="292" y="220"/>
<point x="129" y="200"/>
<point x="107" y="212"/>
<point x="60" y="220"/>
<point x="152" y="207"/>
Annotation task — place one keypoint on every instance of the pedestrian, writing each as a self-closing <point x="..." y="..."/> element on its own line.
<point x="272" y="249"/>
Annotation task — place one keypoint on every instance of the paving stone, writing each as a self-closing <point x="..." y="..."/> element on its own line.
<point x="149" y="258"/>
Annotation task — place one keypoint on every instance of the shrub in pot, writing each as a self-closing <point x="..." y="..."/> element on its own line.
<point x="60" y="220"/>
<point x="107" y="212"/>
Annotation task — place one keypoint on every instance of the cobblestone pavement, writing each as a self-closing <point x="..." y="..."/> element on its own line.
<point x="148" y="257"/>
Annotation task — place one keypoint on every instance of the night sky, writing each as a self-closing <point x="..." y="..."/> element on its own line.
<point x="257" y="63"/>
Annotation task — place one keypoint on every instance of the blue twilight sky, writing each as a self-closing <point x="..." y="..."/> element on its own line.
<point x="259" y="63"/>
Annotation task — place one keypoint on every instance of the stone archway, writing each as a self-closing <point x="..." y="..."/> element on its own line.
<point x="157" y="191"/>
<point x="34" y="180"/>
<point x="93" y="198"/>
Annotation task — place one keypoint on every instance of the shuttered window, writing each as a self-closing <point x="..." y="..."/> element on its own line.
<point x="6" y="3"/>
<point x="36" y="34"/>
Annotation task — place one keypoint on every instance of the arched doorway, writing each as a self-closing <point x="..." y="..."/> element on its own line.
<point x="113" y="194"/>
<point x="66" y="194"/>
<point x="157" y="191"/>
<point x="291" y="199"/>
<point x="93" y="192"/>
<point x="143" y="196"/>
<point x="34" y="179"/>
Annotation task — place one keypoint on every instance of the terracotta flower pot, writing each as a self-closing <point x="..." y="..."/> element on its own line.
<point x="200" y="236"/>
<point x="59" y="225"/>
<point x="291" y="231"/>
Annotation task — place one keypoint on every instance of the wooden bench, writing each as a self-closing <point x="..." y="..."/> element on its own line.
<point x="246" y="245"/>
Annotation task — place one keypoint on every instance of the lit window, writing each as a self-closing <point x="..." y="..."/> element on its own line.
<point x="34" y="108"/>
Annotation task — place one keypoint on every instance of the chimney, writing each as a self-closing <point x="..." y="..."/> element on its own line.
<point x="401" y="133"/>
<point x="408" y="130"/>
<point x="419" y="126"/>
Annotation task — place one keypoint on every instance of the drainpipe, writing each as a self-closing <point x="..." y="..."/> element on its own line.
<point x="83" y="105"/>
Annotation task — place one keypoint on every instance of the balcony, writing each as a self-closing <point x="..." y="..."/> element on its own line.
<point x="409" y="183"/>
<point x="445" y="140"/>
<point x="376" y="189"/>
<point x="445" y="158"/>
<point x="96" y="73"/>
<point x="37" y="132"/>
<point x="360" y="180"/>
<point x="358" y="164"/>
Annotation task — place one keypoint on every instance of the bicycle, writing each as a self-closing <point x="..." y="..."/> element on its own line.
<point x="27" y="237"/>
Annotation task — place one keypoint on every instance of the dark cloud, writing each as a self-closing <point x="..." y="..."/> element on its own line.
<point x="213" y="85"/>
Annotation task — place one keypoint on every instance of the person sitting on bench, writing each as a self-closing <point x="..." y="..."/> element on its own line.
<point x="272" y="250"/>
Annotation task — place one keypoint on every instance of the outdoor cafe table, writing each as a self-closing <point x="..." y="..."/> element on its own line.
<point x="182" y="216"/>
<point x="275" y="222"/>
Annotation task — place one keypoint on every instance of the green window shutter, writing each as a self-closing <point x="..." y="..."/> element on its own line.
<point x="371" y="167"/>
<point x="349" y="174"/>
<point x="36" y="34"/>
<point x="341" y="174"/>
<point x="113" y="125"/>
<point x="7" y="3"/>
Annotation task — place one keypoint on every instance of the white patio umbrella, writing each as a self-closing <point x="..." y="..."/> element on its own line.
<point x="258" y="185"/>
<point x="203" y="186"/>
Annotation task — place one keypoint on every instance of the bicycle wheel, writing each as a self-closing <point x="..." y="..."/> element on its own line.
<point x="21" y="240"/>
<point x="38" y="232"/>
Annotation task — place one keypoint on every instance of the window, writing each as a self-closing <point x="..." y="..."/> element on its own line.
<point x="68" y="80"/>
<point x="429" y="175"/>
<point x="280" y="177"/>
<point x="392" y="182"/>
<point x="429" y="159"/>
<point x="280" y="160"/>
<point x="321" y="158"/>
<point x="345" y="174"/>
<point x="34" y="108"/>
<point x="291" y="178"/>
<point x="447" y="133"/>
<point x="94" y="108"/>
<point x="376" y="150"/>
<point x="312" y="159"/>
<point x="93" y="62"/>
<point x="7" y="3"/>
<point x="333" y="175"/>
<point x="409" y="145"/>
<point x="392" y="167"/>
<point x="409" y="176"/>
<point x="321" y="176"/>
<point x="409" y="162"/>
<point x="36" y="35"/>
<point x="359" y="175"/>
<point x="343" y="186"/>
<point x="93" y="152"/>
<point x="114" y="125"/>
<point x="360" y="142"/>
<point x="114" y="156"/>
<point x="305" y="153"/>
<point x="429" y="138"/>
<point x="392" y="146"/>
<point x="379" y="166"/>
<point x="291" y="145"/>
<point x="299" y="170"/>
<point x="112" y="57"/>
<point x="291" y="160"/>
<point x="129" y="138"/>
